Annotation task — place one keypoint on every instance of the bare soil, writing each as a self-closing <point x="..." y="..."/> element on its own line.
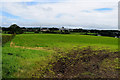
<point x="32" y="48"/>
<point x="83" y="63"/>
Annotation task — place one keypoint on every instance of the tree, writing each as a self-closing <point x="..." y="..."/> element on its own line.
<point x="15" y="29"/>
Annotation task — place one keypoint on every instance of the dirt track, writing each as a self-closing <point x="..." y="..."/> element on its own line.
<point x="35" y="48"/>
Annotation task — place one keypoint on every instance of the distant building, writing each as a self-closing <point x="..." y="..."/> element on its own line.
<point x="44" y="29"/>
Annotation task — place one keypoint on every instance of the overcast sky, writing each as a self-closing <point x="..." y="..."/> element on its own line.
<point x="93" y="14"/>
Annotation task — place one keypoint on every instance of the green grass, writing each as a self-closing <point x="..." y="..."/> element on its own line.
<point x="29" y="32"/>
<point x="64" y="41"/>
<point x="5" y="34"/>
<point x="23" y="62"/>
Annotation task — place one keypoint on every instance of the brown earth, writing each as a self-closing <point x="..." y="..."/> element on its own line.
<point x="32" y="48"/>
<point x="83" y="63"/>
<point x="79" y="63"/>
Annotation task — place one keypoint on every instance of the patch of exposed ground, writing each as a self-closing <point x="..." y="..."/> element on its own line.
<point x="32" y="48"/>
<point x="82" y="63"/>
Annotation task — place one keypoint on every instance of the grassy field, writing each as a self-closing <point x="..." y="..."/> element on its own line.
<point x="63" y="41"/>
<point x="19" y="62"/>
<point x="22" y="59"/>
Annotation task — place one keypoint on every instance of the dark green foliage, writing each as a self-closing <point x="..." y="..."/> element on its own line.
<point x="110" y="33"/>
<point x="78" y="30"/>
<point x="53" y="29"/>
<point x="15" y="29"/>
<point x="7" y="38"/>
<point x="36" y="32"/>
<point x="65" y="32"/>
<point x="107" y="33"/>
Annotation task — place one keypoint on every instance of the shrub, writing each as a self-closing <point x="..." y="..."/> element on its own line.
<point x="36" y="32"/>
<point x="15" y="29"/>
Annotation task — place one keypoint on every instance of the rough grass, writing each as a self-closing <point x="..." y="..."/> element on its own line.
<point x="26" y="63"/>
<point x="82" y="63"/>
<point x="64" y="40"/>
<point x="6" y="38"/>
<point x="21" y="63"/>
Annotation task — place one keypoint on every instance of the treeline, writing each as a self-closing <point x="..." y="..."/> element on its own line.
<point x="111" y="33"/>
<point x="15" y="29"/>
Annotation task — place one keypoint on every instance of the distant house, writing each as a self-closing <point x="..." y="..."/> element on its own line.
<point x="24" y="29"/>
<point x="45" y="29"/>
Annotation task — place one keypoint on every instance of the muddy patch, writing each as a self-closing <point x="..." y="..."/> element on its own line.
<point x="83" y="63"/>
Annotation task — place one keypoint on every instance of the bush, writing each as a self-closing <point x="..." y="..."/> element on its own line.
<point x="36" y="32"/>
<point x="15" y="29"/>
